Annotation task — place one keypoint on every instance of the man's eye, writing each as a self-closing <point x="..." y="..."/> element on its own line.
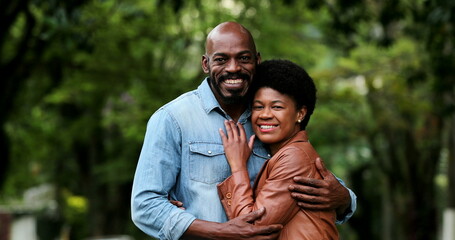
<point x="277" y="107"/>
<point x="220" y="60"/>
<point x="245" y="58"/>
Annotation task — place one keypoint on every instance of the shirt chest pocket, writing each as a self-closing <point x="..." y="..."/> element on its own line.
<point x="207" y="163"/>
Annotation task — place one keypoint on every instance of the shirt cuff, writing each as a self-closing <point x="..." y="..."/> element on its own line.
<point x="350" y="211"/>
<point x="176" y="225"/>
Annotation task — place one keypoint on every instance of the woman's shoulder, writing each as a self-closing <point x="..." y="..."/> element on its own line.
<point x="297" y="153"/>
<point x="300" y="148"/>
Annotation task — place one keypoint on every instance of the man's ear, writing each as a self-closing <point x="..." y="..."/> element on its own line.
<point x="258" y="58"/>
<point x="205" y="64"/>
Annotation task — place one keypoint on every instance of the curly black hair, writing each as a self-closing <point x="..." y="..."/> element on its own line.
<point x="290" y="79"/>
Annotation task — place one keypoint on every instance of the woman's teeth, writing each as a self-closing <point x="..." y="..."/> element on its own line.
<point x="267" y="126"/>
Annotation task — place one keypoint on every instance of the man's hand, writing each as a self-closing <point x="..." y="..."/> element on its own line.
<point x="241" y="227"/>
<point x="177" y="204"/>
<point x="325" y="194"/>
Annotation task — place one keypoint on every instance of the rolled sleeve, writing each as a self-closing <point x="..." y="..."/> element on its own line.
<point x="176" y="225"/>
<point x="351" y="210"/>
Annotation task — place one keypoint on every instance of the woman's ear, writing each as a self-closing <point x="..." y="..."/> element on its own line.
<point x="301" y="114"/>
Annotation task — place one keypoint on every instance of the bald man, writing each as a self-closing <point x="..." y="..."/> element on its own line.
<point x="183" y="158"/>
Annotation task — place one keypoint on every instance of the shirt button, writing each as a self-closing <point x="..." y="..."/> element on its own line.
<point x="209" y="152"/>
<point x="268" y="155"/>
<point x="229" y="202"/>
<point x="228" y="195"/>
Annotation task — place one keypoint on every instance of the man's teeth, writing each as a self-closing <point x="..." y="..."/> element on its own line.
<point x="267" y="126"/>
<point x="233" y="81"/>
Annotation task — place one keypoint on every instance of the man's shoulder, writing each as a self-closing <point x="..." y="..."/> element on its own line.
<point x="177" y="109"/>
<point x="183" y="102"/>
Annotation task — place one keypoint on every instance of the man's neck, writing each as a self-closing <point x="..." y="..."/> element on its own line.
<point x="234" y="110"/>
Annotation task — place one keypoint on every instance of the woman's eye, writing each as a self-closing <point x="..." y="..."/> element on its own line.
<point x="257" y="107"/>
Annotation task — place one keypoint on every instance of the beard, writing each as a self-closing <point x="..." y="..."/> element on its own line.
<point x="237" y="96"/>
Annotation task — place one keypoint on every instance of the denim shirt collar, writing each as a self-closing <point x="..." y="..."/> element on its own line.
<point x="209" y="102"/>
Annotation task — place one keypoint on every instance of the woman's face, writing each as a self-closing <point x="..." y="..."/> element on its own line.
<point x="275" y="117"/>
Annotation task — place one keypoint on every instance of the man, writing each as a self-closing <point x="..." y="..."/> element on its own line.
<point x="182" y="157"/>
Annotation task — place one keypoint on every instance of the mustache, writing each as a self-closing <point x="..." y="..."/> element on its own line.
<point x="243" y="76"/>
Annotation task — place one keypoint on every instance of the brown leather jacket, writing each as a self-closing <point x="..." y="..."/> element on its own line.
<point x="295" y="158"/>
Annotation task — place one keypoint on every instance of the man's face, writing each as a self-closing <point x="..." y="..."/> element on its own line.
<point x="230" y="61"/>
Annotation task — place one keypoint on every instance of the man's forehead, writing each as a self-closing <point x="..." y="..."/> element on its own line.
<point x="230" y="43"/>
<point x="220" y="51"/>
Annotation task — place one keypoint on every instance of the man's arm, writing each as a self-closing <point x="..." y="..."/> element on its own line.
<point x="237" y="228"/>
<point x="156" y="173"/>
<point x="328" y="193"/>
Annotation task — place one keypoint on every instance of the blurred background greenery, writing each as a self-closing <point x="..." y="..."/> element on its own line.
<point x="80" y="78"/>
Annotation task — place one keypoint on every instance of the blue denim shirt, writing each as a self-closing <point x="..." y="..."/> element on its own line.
<point x="183" y="157"/>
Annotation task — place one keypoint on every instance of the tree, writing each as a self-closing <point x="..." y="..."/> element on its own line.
<point x="407" y="140"/>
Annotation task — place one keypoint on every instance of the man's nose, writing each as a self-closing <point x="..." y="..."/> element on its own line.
<point x="233" y="66"/>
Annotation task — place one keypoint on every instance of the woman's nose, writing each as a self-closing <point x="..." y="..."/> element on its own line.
<point x="266" y="113"/>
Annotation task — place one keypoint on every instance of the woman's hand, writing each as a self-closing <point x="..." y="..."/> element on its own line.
<point x="236" y="147"/>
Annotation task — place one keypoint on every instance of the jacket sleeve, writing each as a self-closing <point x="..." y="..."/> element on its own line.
<point x="156" y="174"/>
<point x="237" y="197"/>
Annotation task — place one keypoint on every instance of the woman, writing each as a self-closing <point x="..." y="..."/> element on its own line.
<point x="284" y="99"/>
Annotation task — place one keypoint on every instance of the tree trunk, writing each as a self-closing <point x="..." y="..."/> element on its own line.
<point x="448" y="226"/>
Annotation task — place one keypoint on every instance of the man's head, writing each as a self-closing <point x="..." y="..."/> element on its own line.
<point x="230" y="60"/>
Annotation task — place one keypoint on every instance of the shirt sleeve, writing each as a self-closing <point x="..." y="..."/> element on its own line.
<point x="350" y="211"/>
<point x="237" y="197"/>
<point x="156" y="173"/>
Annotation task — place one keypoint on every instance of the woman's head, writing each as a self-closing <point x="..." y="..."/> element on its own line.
<point x="284" y="97"/>
<point x="289" y="79"/>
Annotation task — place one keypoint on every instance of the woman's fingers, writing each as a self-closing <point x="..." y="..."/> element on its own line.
<point x="234" y="132"/>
